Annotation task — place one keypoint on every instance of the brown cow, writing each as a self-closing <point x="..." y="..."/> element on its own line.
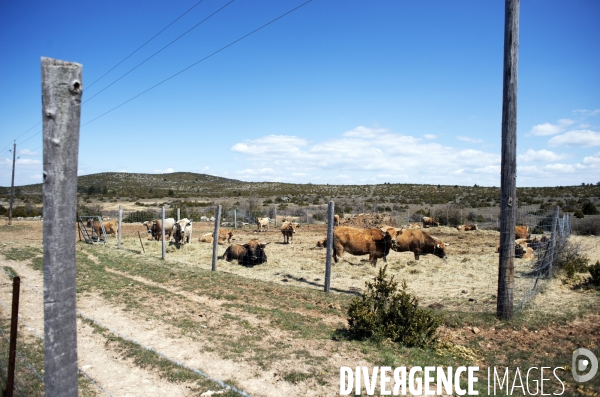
<point x="336" y="220"/>
<point x="288" y="229"/>
<point x="419" y="243"/>
<point x="521" y="232"/>
<point x="519" y="250"/>
<point x="110" y="227"/>
<point x="250" y="254"/>
<point x="155" y="228"/>
<point x="322" y="243"/>
<point x="429" y="222"/>
<point x="375" y="242"/>
<point x="467" y="228"/>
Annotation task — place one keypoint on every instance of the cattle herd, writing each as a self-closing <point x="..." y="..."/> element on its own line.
<point x="375" y="242"/>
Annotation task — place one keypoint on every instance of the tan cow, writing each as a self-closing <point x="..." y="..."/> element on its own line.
<point x="223" y="235"/>
<point x="414" y="226"/>
<point x="336" y="220"/>
<point x="521" y="232"/>
<point x="110" y="227"/>
<point x="429" y="222"/>
<point x="288" y="229"/>
<point x="374" y="242"/>
<point x="467" y="228"/>
<point x="419" y="243"/>
<point x="519" y="250"/>
<point x="261" y="223"/>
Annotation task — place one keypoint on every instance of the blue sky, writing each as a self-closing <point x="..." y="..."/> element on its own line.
<point x="349" y="92"/>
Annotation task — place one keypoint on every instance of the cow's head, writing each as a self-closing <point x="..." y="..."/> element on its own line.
<point x="255" y="252"/>
<point x="389" y="233"/>
<point x="439" y="249"/>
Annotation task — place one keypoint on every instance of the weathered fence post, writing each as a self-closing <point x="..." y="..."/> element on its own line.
<point x="61" y="110"/>
<point x="216" y="238"/>
<point x="330" y="209"/>
<point x="552" y="245"/>
<point x="162" y="217"/>
<point x="12" y="349"/>
<point x="235" y="219"/>
<point x="178" y="214"/>
<point x="119" y="227"/>
<point x="508" y="186"/>
<point x="12" y="185"/>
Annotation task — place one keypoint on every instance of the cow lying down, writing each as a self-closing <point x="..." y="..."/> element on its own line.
<point x="419" y="243"/>
<point x="250" y="254"/>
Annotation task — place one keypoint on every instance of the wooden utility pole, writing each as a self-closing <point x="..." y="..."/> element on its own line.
<point x="12" y="185"/>
<point x="216" y="238"/>
<point x="61" y="109"/>
<point x="508" y="189"/>
<point x="330" y="213"/>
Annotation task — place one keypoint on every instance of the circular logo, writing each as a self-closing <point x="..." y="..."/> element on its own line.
<point x="582" y="365"/>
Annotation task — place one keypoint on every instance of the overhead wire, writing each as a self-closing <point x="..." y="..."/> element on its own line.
<point x="3" y="151"/>
<point x="196" y="63"/>
<point x="157" y="52"/>
<point x="190" y="66"/>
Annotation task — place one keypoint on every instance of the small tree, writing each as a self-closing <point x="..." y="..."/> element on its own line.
<point x="589" y="209"/>
<point x="386" y="312"/>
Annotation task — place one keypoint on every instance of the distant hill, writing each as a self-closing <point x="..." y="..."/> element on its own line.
<point x="188" y="184"/>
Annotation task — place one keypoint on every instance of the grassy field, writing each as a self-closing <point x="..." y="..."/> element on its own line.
<point x="272" y="331"/>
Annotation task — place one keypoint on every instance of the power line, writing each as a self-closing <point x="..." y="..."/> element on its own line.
<point x="3" y="151"/>
<point x="156" y="53"/>
<point x="140" y="47"/>
<point x="201" y="60"/>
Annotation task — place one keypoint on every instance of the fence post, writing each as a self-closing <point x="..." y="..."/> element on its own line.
<point x="330" y="210"/>
<point x="178" y="214"/>
<point x="508" y="189"/>
<point x="162" y="230"/>
<point x="14" y="321"/>
<point x="235" y="218"/>
<point x="550" y="255"/>
<point x="119" y="227"/>
<point x="61" y="111"/>
<point x="216" y="239"/>
<point x="275" y="210"/>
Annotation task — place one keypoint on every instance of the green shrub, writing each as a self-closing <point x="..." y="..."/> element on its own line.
<point x="589" y="209"/>
<point x="595" y="273"/>
<point x="386" y="312"/>
<point x="575" y="264"/>
<point x="578" y="214"/>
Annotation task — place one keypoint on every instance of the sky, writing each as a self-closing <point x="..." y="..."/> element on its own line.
<point x="337" y="91"/>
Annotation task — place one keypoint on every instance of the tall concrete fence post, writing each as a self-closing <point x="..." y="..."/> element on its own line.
<point x="61" y="110"/>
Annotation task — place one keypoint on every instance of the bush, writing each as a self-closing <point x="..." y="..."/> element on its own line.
<point x="386" y="312"/>
<point x="139" y="216"/>
<point x="589" y="209"/>
<point x="595" y="273"/>
<point x="575" y="264"/>
<point x="588" y="226"/>
<point x="578" y="214"/>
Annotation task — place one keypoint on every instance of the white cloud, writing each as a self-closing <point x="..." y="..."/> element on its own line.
<point x="551" y="129"/>
<point x="26" y="162"/>
<point x="26" y="152"/>
<point x="429" y="136"/>
<point x="585" y="138"/>
<point x="587" y="113"/>
<point x="540" y="155"/>
<point x="468" y="139"/>
<point x="165" y="171"/>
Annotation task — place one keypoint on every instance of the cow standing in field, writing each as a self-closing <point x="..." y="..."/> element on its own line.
<point x="250" y="254"/>
<point x="110" y="227"/>
<point x="182" y="230"/>
<point x="374" y="242"/>
<point x="430" y="222"/>
<point x="288" y="229"/>
<point x="155" y="228"/>
<point x="419" y="243"/>
<point x="261" y="223"/>
<point x="467" y="228"/>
